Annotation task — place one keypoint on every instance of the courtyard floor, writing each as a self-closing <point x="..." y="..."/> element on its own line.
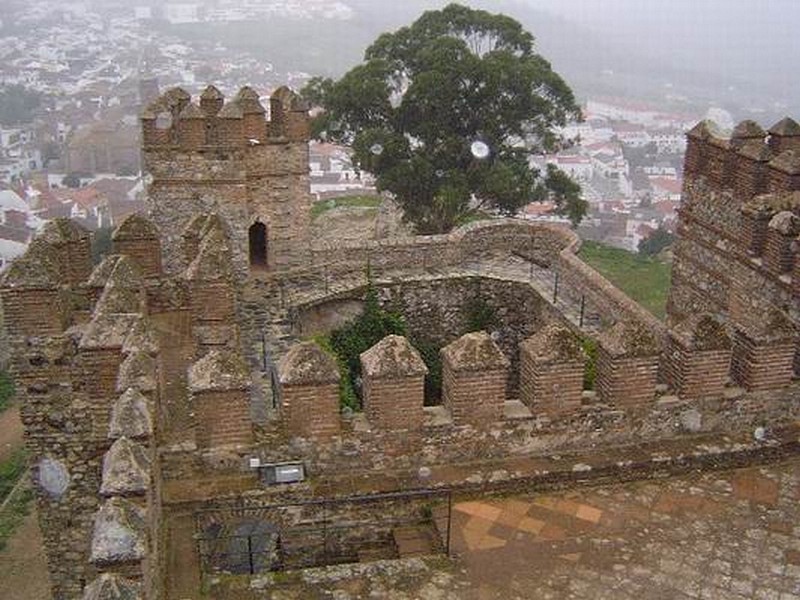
<point x="730" y="536"/>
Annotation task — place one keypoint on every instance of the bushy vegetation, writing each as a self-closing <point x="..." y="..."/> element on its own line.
<point x="479" y="316"/>
<point x="6" y="390"/>
<point x="348" y="342"/>
<point x="646" y="280"/>
<point x="656" y="242"/>
<point x="101" y="243"/>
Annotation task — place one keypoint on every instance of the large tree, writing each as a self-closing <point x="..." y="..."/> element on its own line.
<point x="446" y="113"/>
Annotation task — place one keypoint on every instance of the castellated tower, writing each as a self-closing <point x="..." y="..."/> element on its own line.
<point x="230" y="159"/>
<point x="737" y="254"/>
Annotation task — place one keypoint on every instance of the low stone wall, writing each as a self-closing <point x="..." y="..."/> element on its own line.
<point x="596" y="425"/>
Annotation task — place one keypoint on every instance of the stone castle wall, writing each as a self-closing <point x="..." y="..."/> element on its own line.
<point x="144" y="375"/>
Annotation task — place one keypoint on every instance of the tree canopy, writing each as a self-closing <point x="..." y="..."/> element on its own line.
<point x="18" y="104"/>
<point x="656" y="242"/>
<point x="447" y="112"/>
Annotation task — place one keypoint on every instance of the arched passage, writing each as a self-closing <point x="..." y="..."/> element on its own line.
<point x="258" y="244"/>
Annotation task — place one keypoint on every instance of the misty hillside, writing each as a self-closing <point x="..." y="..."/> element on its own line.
<point x="593" y="61"/>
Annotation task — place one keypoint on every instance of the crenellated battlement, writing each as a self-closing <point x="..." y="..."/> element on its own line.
<point x="749" y="162"/>
<point x="176" y="122"/>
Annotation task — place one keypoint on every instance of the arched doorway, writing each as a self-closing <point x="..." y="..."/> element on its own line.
<point x="258" y="245"/>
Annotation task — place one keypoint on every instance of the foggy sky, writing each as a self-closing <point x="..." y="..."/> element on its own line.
<point x="753" y="40"/>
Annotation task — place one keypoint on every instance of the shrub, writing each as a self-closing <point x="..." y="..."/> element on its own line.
<point x="348" y="342"/>
<point x="430" y="351"/>
<point x="6" y="390"/>
<point x="479" y="316"/>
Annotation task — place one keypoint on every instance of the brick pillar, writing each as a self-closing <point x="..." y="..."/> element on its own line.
<point x="696" y="145"/>
<point x="474" y="375"/>
<point x="552" y="364"/>
<point x="31" y="293"/>
<point x="784" y="172"/>
<point x="137" y="238"/>
<point x="100" y="359"/>
<point x="696" y="363"/>
<point x="253" y="114"/>
<point x="211" y="293"/>
<point x="718" y="152"/>
<point x="750" y="177"/>
<point x="763" y="355"/>
<point x="393" y="384"/>
<point x="71" y="244"/>
<point x="230" y="127"/>
<point x="781" y="233"/>
<point x="191" y="128"/>
<point x="219" y="384"/>
<point x="755" y="217"/>
<point x="309" y="392"/>
<point x="784" y="135"/>
<point x="627" y="366"/>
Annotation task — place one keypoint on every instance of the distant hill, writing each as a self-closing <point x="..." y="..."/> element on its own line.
<point x="592" y="63"/>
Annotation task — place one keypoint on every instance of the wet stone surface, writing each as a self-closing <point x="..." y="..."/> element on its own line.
<point x="731" y="535"/>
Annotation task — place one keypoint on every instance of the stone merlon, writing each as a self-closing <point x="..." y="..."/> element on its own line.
<point x="786" y="127"/>
<point x="108" y="330"/>
<point x="392" y="357"/>
<point x="222" y="369"/>
<point x="119" y="534"/>
<point x="36" y="269"/>
<point x="123" y="290"/>
<point x="475" y="352"/>
<point x="307" y="364"/>
<point x="774" y="327"/>
<point x="554" y="344"/>
<point x="62" y="230"/>
<point x="629" y="339"/>
<point x="786" y="223"/>
<point x="102" y="272"/>
<point x="138" y="370"/>
<point x="703" y="332"/>
<point x="130" y="416"/>
<point x="110" y="586"/>
<point x="126" y="469"/>
<point x="142" y="338"/>
<point x="136" y="227"/>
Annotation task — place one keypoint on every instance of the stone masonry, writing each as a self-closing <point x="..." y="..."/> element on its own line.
<point x="152" y="381"/>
